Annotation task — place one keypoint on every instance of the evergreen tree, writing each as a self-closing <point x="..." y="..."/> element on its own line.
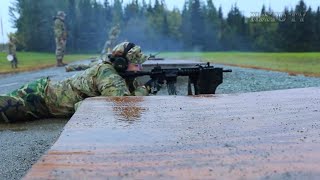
<point x="212" y="27"/>
<point x="263" y="31"/>
<point x="304" y="28"/>
<point x="317" y="30"/>
<point x="71" y="22"/>
<point x="197" y="26"/>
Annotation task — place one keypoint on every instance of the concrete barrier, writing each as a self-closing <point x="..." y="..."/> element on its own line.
<point x="263" y="135"/>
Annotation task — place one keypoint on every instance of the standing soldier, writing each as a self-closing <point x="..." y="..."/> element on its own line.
<point x="12" y="51"/>
<point x="109" y="44"/>
<point x="112" y="37"/>
<point x="60" y="34"/>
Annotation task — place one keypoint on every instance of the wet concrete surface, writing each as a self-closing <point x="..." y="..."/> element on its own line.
<point x="273" y="135"/>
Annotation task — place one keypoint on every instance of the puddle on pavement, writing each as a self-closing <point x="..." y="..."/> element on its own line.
<point x="128" y="109"/>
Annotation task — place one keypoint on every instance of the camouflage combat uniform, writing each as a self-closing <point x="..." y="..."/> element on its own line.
<point x="112" y="37"/>
<point x="13" y="52"/>
<point x="60" y="34"/>
<point x="44" y="99"/>
<point x="80" y="67"/>
<point x="110" y="43"/>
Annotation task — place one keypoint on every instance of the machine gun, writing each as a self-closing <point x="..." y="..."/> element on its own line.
<point x="153" y="57"/>
<point x="204" y="78"/>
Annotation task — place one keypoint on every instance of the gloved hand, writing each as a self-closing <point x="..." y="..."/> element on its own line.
<point x="153" y="86"/>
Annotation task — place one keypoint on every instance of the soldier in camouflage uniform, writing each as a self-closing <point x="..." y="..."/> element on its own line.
<point x="60" y="34"/>
<point x="13" y="51"/>
<point x="44" y="99"/>
<point x="109" y="44"/>
<point x="80" y="67"/>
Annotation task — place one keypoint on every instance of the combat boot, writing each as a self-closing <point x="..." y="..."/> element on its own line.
<point x="60" y="63"/>
<point x="11" y="109"/>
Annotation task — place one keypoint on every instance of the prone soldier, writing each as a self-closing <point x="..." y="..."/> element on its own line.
<point x="44" y="99"/>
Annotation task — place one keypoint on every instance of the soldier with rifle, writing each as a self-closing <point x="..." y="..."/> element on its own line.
<point x="60" y="33"/>
<point x="45" y="99"/>
<point x="12" y="53"/>
<point x="109" y="44"/>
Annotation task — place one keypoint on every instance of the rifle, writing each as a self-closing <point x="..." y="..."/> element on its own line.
<point x="204" y="78"/>
<point x="153" y="57"/>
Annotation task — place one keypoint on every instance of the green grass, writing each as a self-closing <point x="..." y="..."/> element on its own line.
<point x="293" y="63"/>
<point x="32" y="61"/>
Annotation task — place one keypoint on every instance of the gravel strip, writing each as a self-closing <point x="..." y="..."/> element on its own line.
<point x="244" y="80"/>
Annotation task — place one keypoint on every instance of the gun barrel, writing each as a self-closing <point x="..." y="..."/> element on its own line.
<point x="227" y="70"/>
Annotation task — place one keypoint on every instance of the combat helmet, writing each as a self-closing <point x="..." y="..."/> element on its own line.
<point x="130" y="51"/>
<point x="61" y="14"/>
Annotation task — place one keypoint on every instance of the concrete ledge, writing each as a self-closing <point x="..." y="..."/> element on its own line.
<point x="259" y="135"/>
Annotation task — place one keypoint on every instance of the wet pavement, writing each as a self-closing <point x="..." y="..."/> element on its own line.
<point x="273" y="135"/>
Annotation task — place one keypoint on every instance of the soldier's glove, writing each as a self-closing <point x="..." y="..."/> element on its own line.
<point x="153" y="86"/>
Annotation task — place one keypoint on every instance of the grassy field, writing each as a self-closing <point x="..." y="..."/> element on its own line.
<point x="32" y="61"/>
<point x="294" y="63"/>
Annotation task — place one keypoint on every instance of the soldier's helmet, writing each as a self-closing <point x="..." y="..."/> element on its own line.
<point x="12" y="37"/>
<point x="61" y="14"/>
<point x="134" y="54"/>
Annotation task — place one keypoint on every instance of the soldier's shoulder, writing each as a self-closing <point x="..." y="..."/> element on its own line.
<point x="58" y="21"/>
<point x="105" y="65"/>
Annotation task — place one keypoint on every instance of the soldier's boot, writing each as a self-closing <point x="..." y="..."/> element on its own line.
<point x="60" y="63"/>
<point x="11" y="109"/>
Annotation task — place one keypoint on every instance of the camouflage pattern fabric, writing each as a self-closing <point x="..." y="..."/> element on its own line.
<point x="12" y="51"/>
<point x="134" y="55"/>
<point x="77" y="67"/>
<point x="80" y="67"/>
<point x="60" y="33"/>
<point x="12" y="48"/>
<point x="112" y="38"/>
<point x="99" y="80"/>
<point x="43" y="99"/>
<point x="25" y="103"/>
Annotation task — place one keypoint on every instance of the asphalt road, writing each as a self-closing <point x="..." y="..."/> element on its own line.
<point x="22" y="144"/>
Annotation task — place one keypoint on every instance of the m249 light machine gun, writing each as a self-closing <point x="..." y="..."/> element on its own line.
<point x="204" y="78"/>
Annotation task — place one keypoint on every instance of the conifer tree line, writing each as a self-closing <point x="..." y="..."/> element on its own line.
<point x="198" y="26"/>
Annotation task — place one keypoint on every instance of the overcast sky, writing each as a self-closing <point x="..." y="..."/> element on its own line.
<point x="246" y="6"/>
